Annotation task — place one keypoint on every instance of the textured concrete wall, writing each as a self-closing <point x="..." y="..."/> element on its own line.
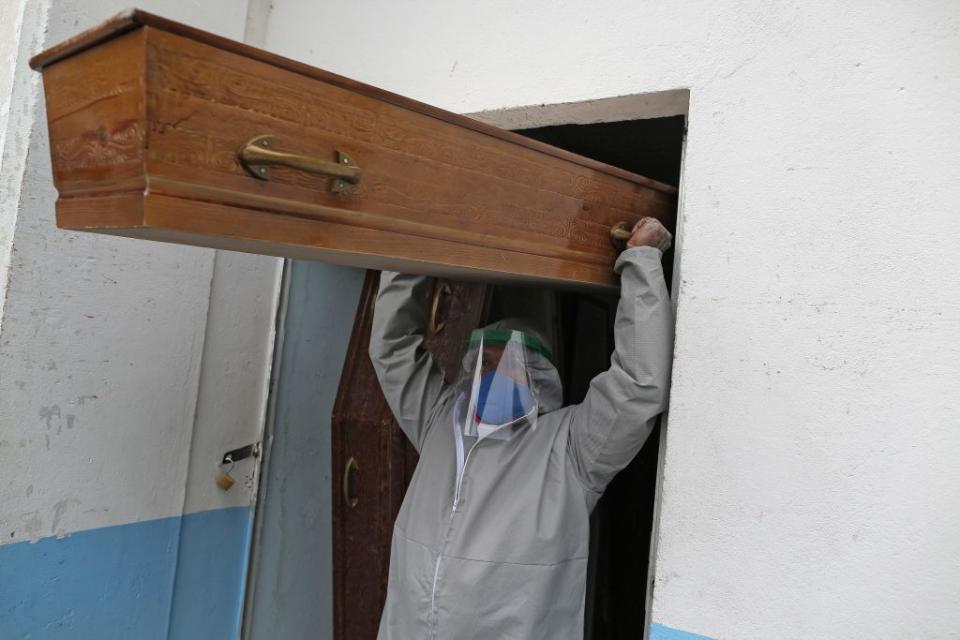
<point x="810" y="483"/>
<point x="12" y="14"/>
<point x="21" y="30"/>
<point x="126" y="369"/>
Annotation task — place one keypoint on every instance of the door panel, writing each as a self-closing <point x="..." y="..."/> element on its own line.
<point x="368" y="494"/>
<point x="157" y="131"/>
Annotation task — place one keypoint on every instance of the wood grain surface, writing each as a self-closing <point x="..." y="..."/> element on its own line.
<point x="147" y="116"/>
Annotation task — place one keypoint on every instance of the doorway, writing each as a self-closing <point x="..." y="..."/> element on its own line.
<point x="299" y="570"/>
<point x="372" y="462"/>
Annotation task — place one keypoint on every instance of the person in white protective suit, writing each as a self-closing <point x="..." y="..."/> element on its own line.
<point x="491" y="540"/>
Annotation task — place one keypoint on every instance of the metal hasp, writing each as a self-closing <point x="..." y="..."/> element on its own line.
<point x="258" y="155"/>
<point x="235" y="455"/>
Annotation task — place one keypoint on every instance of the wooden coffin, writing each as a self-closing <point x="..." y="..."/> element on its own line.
<point x="164" y="132"/>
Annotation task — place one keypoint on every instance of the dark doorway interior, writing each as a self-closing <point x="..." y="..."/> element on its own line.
<point x="652" y="147"/>
<point x="622" y="523"/>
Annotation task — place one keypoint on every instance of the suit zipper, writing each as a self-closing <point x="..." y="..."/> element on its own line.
<point x="446" y="537"/>
<point x="456" y="493"/>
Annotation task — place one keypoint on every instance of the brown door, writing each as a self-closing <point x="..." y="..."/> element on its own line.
<point x="372" y="459"/>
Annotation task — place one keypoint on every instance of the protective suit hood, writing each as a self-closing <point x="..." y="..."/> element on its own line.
<point x="540" y="354"/>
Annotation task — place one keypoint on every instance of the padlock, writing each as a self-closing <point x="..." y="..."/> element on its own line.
<point x="224" y="481"/>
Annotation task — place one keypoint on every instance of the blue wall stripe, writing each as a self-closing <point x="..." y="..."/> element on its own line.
<point x="661" y="632"/>
<point x="211" y="574"/>
<point x="132" y="581"/>
<point x="120" y="582"/>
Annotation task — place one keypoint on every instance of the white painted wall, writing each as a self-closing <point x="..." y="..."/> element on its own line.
<point x="126" y="367"/>
<point x="21" y="27"/>
<point x="12" y="14"/>
<point x="810" y="488"/>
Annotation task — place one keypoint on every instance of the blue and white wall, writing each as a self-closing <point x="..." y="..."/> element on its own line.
<point x="126" y="370"/>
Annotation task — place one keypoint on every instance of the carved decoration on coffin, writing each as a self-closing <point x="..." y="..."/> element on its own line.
<point x="102" y="146"/>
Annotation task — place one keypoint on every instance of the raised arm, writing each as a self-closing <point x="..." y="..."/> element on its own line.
<point x="411" y="381"/>
<point x="618" y="413"/>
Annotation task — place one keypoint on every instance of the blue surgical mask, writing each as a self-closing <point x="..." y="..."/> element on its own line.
<point x="502" y="399"/>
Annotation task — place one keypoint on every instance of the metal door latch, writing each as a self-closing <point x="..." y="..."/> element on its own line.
<point x="235" y="455"/>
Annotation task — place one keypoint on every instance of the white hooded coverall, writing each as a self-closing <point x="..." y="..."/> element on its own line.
<point x="509" y="560"/>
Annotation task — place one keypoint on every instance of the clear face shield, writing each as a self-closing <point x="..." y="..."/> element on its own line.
<point x="500" y="389"/>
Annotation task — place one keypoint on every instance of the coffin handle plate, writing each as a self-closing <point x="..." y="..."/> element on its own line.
<point x="259" y="154"/>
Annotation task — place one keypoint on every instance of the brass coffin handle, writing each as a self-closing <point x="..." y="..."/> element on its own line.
<point x="347" y="494"/>
<point x="619" y="234"/>
<point x="438" y="291"/>
<point x="258" y="155"/>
